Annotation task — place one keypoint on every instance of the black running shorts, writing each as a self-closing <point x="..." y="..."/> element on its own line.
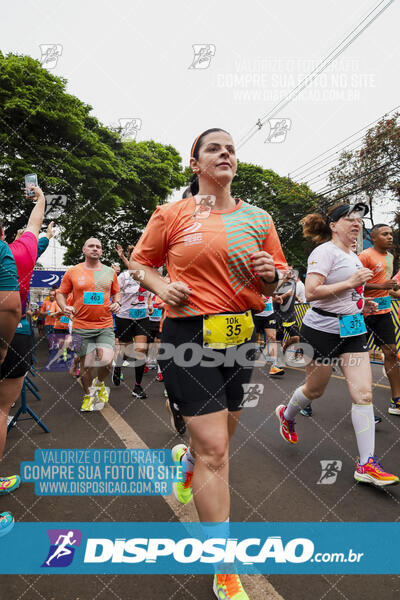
<point x="153" y="330"/>
<point x="193" y="379"/>
<point x="262" y="323"/>
<point x="382" y="328"/>
<point x="286" y="324"/>
<point x="330" y="345"/>
<point x="18" y="359"/>
<point x="127" y="329"/>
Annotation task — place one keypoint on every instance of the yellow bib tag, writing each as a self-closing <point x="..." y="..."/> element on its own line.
<point x="226" y="330"/>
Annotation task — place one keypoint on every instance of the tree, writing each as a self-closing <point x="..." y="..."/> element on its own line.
<point x="112" y="186"/>
<point x="370" y="174"/>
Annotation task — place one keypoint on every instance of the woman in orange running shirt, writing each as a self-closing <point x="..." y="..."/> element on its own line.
<point x="221" y="255"/>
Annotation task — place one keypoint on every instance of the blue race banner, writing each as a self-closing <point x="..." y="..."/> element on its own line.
<point x="166" y="548"/>
<point x="46" y="278"/>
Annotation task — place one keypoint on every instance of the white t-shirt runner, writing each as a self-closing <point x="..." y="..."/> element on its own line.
<point x="336" y="265"/>
<point x="133" y="296"/>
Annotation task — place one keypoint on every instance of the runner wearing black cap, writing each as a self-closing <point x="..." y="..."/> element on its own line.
<point x="333" y="330"/>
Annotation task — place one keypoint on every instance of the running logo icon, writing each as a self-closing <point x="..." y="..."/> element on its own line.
<point x="55" y="205"/>
<point x="203" y="53"/>
<point x="63" y="543"/>
<point x="251" y="394"/>
<point x="330" y="471"/>
<point x="50" y="54"/>
<point x="129" y="128"/>
<point x="278" y="130"/>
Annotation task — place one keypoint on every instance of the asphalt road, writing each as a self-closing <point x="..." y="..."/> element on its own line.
<point x="270" y="481"/>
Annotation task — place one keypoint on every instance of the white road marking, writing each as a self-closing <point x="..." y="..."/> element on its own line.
<point x="257" y="586"/>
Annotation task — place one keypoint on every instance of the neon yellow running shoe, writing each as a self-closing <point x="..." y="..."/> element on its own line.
<point x="229" y="587"/>
<point x="182" y="489"/>
<point x="102" y="391"/>
<point x="90" y="404"/>
<point x="9" y="484"/>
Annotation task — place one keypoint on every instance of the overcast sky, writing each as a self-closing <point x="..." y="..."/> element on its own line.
<point x="131" y="60"/>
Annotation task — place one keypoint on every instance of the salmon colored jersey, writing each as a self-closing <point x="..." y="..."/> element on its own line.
<point x="382" y="267"/>
<point x="49" y="307"/>
<point x="80" y="279"/>
<point x="211" y="255"/>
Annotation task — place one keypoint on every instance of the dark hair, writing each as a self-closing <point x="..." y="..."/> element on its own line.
<point x="378" y="226"/>
<point x="187" y="193"/>
<point x="194" y="153"/>
<point x="316" y="226"/>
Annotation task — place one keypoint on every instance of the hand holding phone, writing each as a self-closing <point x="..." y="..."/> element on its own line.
<point x="31" y="181"/>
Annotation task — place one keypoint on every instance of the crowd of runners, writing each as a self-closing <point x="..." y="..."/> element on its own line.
<point x="207" y="287"/>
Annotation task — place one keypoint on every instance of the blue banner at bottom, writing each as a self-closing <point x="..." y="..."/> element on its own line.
<point x="165" y="548"/>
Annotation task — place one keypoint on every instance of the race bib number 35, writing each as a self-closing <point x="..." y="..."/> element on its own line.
<point x="96" y="298"/>
<point x="227" y="330"/>
<point x="352" y="325"/>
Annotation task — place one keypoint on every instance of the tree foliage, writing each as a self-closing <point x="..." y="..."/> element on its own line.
<point x="371" y="173"/>
<point x="112" y="185"/>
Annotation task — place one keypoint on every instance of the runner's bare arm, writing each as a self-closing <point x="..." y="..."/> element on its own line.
<point x="10" y="314"/>
<point x="389" y="284"/>
<point x="116" y="297"/>
<point x="150" y="305"/>
<point x="62" y="303"/>
<point x="316" y="289"/>
<point x="37" y="214"/>
<point x="122" y="256"/>
<point x="116" y="302"/>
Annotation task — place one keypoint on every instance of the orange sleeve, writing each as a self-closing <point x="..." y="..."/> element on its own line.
<point x="66" y="284"/>
<point x="364" y="259"/>
<point x="114" y="286"/>
<point x="152" y="247"/>
<point x="397" y="277"/>
<point x="272" y="245"/>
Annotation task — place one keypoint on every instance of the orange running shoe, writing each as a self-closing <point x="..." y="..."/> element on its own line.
<point x="276" y="371"/>
<point x="229" y="587"/>
<point x="372" y="472"/>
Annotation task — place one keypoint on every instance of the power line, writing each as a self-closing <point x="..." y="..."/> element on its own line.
<point x="363" y="174"/>
<point x="363" y="129"/>
<point x="317" y="70"/>
<point x="341" y="142"/>
<point x="333" y="160"/>
<point x="355" y="190"/>
<point x="322" y="175"/>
